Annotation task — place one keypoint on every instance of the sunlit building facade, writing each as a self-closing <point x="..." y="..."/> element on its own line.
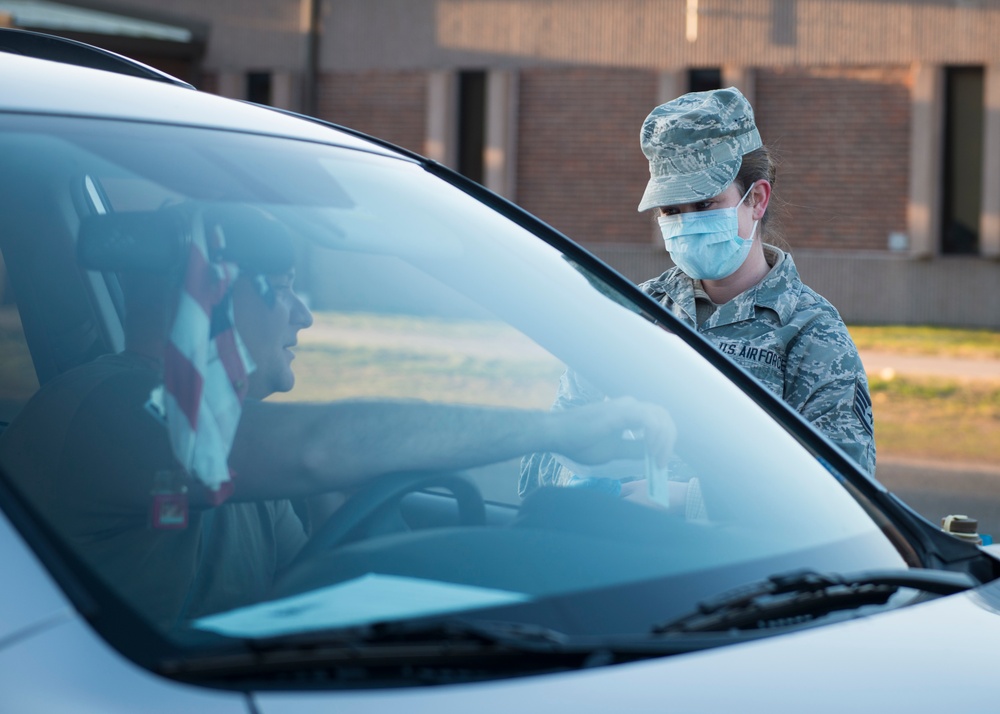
<point x="885" y="113"/>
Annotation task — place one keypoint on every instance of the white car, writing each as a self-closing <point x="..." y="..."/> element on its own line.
<point x="784" y="580"/>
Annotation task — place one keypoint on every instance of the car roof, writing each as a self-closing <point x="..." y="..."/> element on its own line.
<point x="40" y="86"/>
<point x="63" y="49"/>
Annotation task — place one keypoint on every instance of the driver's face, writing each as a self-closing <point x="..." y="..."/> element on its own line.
<point x="270" y="331"/>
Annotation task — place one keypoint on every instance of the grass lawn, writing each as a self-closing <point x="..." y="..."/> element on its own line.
<point x="345" y="356"/>
<point x="938" y="419"/>
<point x="918" y="418"/>
<point x="935" y="418"/>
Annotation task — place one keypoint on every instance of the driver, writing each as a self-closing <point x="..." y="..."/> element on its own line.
<point x="94" y="452"/>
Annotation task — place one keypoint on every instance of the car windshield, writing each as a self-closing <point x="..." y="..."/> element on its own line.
<point x="409" y="290"/>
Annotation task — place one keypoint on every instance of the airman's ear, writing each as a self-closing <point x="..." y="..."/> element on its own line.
<point x="760" y="196"/>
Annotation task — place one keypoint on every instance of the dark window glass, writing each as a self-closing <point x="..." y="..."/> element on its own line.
<point x="259" y="87"/>
<point x="705" y="79"/>
<point x="963" y="161"/>
<point x="471" y="123"/>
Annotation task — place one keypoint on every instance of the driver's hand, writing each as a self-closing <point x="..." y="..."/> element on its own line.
<point x="620" y="428"/>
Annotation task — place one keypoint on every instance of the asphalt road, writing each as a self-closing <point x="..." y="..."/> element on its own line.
<point x="936" y="489"/>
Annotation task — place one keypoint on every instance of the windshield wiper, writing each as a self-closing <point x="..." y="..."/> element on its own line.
<point x="456" y="647"/>
<point x="801" y="596"/>
<point x="443" y="630"/>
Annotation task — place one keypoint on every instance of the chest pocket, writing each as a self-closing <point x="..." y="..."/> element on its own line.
<point x="763" y="358"/>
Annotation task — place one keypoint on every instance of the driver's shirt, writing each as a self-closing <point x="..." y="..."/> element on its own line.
<point x="85" y="451"/>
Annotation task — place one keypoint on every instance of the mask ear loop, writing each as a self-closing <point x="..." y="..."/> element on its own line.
<point x="753" y="231"/>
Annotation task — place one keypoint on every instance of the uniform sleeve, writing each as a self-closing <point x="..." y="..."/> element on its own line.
<point x="542" y="469"/>
<point x="826" y="383"/>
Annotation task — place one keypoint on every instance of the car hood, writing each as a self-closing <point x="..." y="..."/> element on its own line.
<point x="895" y="661"/>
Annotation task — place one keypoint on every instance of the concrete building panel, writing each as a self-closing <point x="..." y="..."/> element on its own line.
<point x="243" y="34"/>
<point x="657" y="33"/>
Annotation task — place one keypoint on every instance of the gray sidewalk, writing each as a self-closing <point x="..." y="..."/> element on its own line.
<point x="877" y="363"/>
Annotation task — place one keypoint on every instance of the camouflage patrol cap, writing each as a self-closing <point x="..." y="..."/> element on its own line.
<point x="695" y="146"/>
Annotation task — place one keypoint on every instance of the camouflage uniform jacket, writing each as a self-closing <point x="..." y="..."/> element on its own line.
<point x="781" y="331"/>
<point x="792" y="340"/>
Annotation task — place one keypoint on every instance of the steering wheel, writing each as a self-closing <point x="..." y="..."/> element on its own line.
<point x="375" y="509"/>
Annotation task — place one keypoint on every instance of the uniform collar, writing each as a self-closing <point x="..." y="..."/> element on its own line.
<point x="780" y="289"/>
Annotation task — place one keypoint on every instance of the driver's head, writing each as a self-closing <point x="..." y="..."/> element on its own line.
<point x="267" y="311"/>
<point x="268" y="319"/>
<point x="150" y="252"/>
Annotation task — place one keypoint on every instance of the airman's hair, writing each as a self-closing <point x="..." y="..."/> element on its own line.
<point x="762" y="164"/>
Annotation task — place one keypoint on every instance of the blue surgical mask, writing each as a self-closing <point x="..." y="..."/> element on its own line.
<point x="706" y="244"/>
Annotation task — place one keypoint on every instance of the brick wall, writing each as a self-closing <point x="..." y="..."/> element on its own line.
<point x="843" y="137"/>
<point x="579" y="166"/>
<point x="389" y="105"/>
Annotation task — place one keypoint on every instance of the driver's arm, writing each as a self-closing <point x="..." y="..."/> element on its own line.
<point x="287" y="450"/>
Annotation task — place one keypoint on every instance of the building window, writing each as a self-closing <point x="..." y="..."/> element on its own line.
<point x="258" y="89"/>
<point x="471" y="123"/>
<point x="705" y="79"/>
<point x="961" y="202"/>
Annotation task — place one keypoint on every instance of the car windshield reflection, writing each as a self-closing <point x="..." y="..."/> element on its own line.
<point x="400" y="291"/>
